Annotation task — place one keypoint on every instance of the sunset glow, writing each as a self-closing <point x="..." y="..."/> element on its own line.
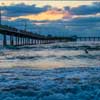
<point x="51" y="14"/>
<point x="67" y="17"/>
<point x="48" y="15"/>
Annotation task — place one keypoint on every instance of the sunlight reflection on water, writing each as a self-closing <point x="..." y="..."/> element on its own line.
<point x="51" y="56"/>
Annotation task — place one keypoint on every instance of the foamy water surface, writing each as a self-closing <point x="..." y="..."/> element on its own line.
<point x="50" y="72"/>
<point x="51" y="56"/>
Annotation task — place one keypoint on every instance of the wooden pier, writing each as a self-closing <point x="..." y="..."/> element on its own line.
<point x="22" y="37"/>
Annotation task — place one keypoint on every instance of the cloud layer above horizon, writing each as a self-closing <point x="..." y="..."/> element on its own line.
<point x="58" y="21"/>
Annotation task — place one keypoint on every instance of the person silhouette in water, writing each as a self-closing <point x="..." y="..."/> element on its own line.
<point x="86" y="51"/>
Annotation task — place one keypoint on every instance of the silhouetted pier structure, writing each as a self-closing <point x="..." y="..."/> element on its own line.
<point x="88" y="38"/>
<point x="22" y="37"/>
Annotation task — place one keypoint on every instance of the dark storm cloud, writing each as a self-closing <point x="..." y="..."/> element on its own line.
<point x="84" y="20"/>
<point x="86" y="9"/>
<point x="23" y="9"/>
<point x="81" y="26"/>
<point x="88" y="26"/>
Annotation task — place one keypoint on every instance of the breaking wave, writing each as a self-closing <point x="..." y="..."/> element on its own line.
<point x="51" y="84"/>
<point x="50" y="72"/>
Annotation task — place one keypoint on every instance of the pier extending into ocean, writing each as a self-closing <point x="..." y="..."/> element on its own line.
<point x="88" y="38"/>
<point x="22" y="37"/>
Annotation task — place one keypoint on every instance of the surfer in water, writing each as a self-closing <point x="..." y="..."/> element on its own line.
<point x="86" y="51"/>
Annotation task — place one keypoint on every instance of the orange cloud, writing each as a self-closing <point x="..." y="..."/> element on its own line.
<point x="50" y="15"/>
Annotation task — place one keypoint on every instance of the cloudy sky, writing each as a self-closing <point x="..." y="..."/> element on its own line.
<point x="64" y="18"/>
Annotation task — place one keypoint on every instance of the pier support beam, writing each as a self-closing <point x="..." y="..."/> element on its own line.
<point x="21" y="41"/>
<point x="32" y="41"/>
<point x="11" y="40"/>
<point x="28" y="41"/>
<point x="4" y="40"/>
<point x="35" y="41"/>
<point x="16" y="40"/>
<point x="25" y="41"/>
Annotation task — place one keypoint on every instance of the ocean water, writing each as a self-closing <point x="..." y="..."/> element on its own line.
<point x="60" y="71"/>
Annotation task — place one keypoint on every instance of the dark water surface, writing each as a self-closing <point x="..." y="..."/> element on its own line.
<point x="50" y="72"/>
<point x="51" y="56"/>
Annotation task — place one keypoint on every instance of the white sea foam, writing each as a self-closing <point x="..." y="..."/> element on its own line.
<point x="50" y="72"/>
<point x="51" y="56"/>
<point x="52" y="84"/>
